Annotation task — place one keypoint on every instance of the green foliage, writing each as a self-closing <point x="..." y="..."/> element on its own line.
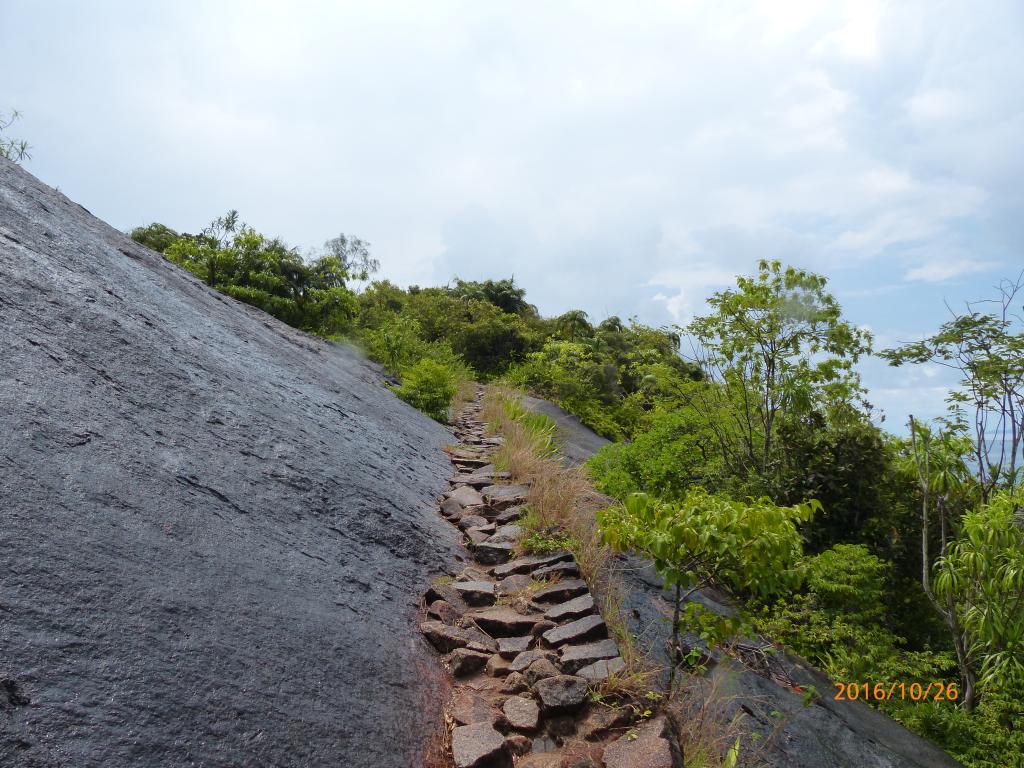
<point x="982" y="575"/>
<point x="743" y="548"/>
<point x="430" y="387"/>
<point x="12" y="149"/>
<point x="777" y="348"/>
<point x="156" y="236"/>
<point x="263" y="272"/>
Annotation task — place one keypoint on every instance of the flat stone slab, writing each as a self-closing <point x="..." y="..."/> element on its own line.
<point x="526" y="658"/>
<point x="502" y="621"/>
<point x="509" y="515"/>
<point x="522" y="714"/>
<point x="648" y="750"/>
<point x="510" y="647"/>
<point x="446" y="638"/>
<point x="507" y="533"/>
<point x="531" y="563"/>
<point x="479" y="745"/>
<point x="561" y="693"/>
<point x="476" y="593"/>
<point x="463" y="661"/>
<point x="493" y="552"/>
<point x="577" y="631"/>
<point x="499" y="497"/>
<point x="574" y="657"/>
<point x="469" y="707"/>
<point x="564" y="569"/>
<point x="473" y="521"/>
<point x="571" y="609"/>
<point x="517" y="582"/>
<point x="466" y="496"/>
<point x="602" y="670"/>
<point x="561" y="590"/>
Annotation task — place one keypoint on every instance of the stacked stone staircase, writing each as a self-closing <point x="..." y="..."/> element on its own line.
<point x="523" y="638"/>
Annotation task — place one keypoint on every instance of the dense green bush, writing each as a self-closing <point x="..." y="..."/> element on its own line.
<point x="430" y="387"/>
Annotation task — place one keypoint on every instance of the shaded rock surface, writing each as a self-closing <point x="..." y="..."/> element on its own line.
<point x="214" y="528"/>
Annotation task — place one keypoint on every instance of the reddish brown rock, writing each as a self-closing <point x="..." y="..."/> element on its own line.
<point x="525" y="659"/>
<point x="469" y="707"/>
<point x="499" y="497"/>
<point x="518" y="744"/>
<point x="463" y="661"/>
<point x="497" y="666"/>
<point x="467" y="497"/>
<point x="602" y="719"/>
<point x="444" y="612"/>
<point x="517" y="582"/>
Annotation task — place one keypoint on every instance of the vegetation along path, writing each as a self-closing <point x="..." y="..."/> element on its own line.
<point x="523" y="638"/>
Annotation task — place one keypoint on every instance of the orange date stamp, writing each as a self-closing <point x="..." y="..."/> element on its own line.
<point x="934" y="691"/>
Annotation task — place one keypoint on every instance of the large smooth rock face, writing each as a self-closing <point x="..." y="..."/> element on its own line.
<point x="214" y="527"/>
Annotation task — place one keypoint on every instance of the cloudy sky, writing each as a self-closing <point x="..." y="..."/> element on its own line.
<point x="626" y="158"/>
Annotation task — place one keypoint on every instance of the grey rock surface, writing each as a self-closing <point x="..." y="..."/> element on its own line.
<point x="846" y="734"/>
<point x="214" y="529"/>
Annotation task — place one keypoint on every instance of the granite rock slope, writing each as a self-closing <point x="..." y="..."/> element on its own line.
<point x="214" y="529"/>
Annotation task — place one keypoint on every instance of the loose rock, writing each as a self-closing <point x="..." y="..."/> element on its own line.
<point x="479" y="745"/>
<point x="510" y="647"/>
<point x="561" y="693"/>
<point x="463" y="661"/>
<point x="539" y="670"/>
<point x="522" y="714"/>
<point x="649" y="750"/>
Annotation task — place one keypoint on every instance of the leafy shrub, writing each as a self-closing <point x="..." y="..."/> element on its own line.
<point x="430" y="387"/>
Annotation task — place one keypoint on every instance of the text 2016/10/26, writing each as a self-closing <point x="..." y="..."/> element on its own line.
<point x="937" y="691"/>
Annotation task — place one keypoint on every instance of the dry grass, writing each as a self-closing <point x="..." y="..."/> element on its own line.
<point x="562" y="499"/>
<point x="436" y="687"/>
<point x="708" y="721"/>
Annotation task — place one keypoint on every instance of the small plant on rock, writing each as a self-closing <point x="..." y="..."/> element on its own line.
<point x="743" y="548"/>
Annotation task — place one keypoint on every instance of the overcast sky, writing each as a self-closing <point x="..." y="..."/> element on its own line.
<point x="626" y="158"/>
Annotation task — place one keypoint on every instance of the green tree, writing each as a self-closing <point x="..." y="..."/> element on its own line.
<point x="774" y="348"/>
<point x="156" y="236"/>
<point x="573" y="325"/>
<point x="987" y="349"/>
<point x="981" y="580"/>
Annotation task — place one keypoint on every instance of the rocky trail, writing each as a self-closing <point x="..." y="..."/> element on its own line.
<point x="523" y="638"/>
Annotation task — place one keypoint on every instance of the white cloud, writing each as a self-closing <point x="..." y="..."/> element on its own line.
<point x="940" y="270"/>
